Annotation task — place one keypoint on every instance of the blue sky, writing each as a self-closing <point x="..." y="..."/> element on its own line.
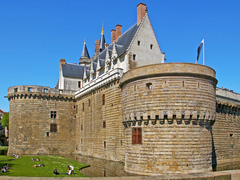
<point x="35" y="35"/>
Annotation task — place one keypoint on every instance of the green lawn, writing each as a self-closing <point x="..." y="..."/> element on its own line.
<point x="3" y="147"/>
<point x="23" y="166"/>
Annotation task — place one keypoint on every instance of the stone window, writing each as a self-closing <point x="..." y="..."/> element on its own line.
<point x="89" y="102"/>
<point x="157" y="116"/>
<point x="104" y="124"/>
<point x="29" y="89"/>
<point x="137" y="135"/>
<point x="165" y="84"/>
<point x="174" y="116"/>
<point x="151" y="46"/>
<point x="47" y="134"/>
<point x="81" y="127"/>
<point x="103" y="99"/>
<point x="139" y="43"/>
<point x="82" y="106"/>
<point x="134" y="57"/>
<point x="104" y="144"/>
<point x="15" y="89"/>
<point x="79" y="84"/>
<point x="149" y="85"/>
<point x="45" y="90"/>
<point x="53" y="114"/>
<point x="183" y="84"/>
<point x="53" y="127"/>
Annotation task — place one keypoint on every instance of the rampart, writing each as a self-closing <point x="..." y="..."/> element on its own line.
<point x="41" y="121"/>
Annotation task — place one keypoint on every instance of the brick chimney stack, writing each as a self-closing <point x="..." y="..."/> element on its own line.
<point x="141" y="11"/>
<point x="118" y="31"/>
<point x="113" y="35"/>
<point x="62" y="61"/>
<point x="97" y="47"/>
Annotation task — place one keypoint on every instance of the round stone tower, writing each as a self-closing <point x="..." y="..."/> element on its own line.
<point x="41" y="120"/>
<point x="168" y="111"/>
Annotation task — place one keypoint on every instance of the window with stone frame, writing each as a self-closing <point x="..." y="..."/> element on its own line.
<point x="136" y="135"/>
<point x="53" y="114"/>
<point x="53" y="128"/>
<point x="82" y="106"/>
<point x="103" y="99"/>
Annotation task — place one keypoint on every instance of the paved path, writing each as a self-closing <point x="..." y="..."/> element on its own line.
<point x="221" y="175"/>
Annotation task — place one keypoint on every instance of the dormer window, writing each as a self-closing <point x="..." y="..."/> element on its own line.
<point x="139" y="43"/>
<point x="151" y="46"/>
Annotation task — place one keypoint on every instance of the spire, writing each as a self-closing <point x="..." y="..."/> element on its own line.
<point x="102" y="40"/>
<point x="85" y="58"/>
<point x="85" y="53"/>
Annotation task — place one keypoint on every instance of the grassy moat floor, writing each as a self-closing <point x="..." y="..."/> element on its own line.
<point x="23" y="166"/>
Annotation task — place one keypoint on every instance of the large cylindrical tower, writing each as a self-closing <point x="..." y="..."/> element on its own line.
<point x="41" y="120"/>
<point x="168" y="111"/>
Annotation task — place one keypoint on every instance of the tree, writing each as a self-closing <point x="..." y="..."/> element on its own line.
<point x="5" y="120"/>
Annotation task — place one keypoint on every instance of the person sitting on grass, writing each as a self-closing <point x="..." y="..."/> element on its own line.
<point x="70" y="169"/>
<point x="37" y="159"/>
<point x="39" y="165"/>
<point x="7" y="167"/>
<point x="33" y="159"/>
<point x="3" y="170"/>
<point x="17" y="156"/>
<point x="55" y="172"/>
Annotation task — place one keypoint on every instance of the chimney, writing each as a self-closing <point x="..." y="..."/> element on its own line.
<point x="141" y="11"/>
<point x="97" y="47"/>
<point x="62" y="61"/>
<point x="113" y="35"/>
<point x="118" y="31"/>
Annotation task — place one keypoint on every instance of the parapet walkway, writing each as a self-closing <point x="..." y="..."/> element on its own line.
<point x="219" y="175"/>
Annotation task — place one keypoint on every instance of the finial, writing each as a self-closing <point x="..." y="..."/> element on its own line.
<point x="102" y="33"/>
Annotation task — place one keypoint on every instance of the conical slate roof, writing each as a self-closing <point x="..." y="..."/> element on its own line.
<point x="85" y="53"/>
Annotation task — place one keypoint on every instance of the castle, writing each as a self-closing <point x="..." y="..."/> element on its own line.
<point x="125" y="104"/>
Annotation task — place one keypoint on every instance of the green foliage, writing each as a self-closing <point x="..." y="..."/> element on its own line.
<point x="5" y="120"/>
<point x="24" y="166"/>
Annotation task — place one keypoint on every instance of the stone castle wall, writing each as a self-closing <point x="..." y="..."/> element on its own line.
<point x="174" y="105"/>
<point x="30" y="119"/>
<point x="100" y="130"/>
<point x="226" y="130"/>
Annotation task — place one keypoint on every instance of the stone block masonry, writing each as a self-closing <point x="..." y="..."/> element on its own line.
<point x="41" y="121"/>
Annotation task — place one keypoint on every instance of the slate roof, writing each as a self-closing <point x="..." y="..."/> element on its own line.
<point x="121" y="45"/>
<point x="77" y="71"/>
<point x="72" y="70"/>
<point x="85" y="51"/>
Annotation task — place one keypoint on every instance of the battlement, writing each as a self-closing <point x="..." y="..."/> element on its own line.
<point x="38" y="91"/>
<point x="225" y="95"/>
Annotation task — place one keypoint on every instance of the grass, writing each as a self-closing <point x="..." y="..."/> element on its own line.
<point x="23" y="166"/>
<point x="3" y="147"/>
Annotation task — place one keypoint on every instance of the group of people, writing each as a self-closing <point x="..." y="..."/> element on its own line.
<point x="5" y="168"/>
<point x="70" y="171"/>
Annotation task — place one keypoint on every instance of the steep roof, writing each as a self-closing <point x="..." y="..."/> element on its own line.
<point x="85" y="53"/>
<point x="72" y="70"/>
<point x="121" y="44"/>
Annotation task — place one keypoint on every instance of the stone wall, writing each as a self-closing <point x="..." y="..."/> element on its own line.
<point x="174" y="104"/>
<point x="30" y="119"/>
<point x="226" y="130"/>
<point x="100" y="132"/>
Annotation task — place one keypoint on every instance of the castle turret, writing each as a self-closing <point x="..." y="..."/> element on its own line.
<point x="85" y="58"/>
